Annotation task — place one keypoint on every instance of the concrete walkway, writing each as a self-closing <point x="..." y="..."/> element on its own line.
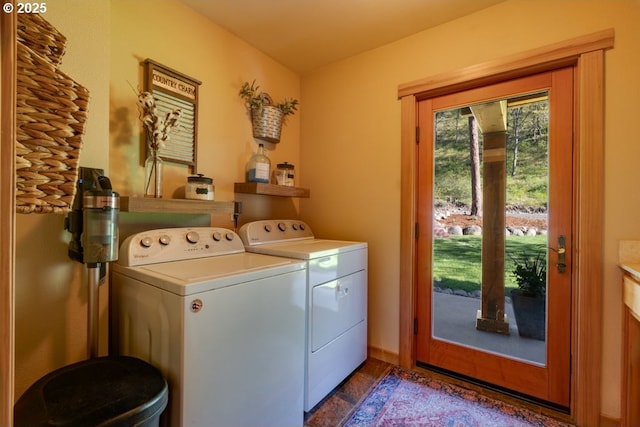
<point x="454" y="320"/>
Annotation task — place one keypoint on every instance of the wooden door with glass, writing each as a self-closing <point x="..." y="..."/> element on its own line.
<point x="494" y="214"/>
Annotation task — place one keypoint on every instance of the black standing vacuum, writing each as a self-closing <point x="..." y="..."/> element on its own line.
<point x="113" y="391"/>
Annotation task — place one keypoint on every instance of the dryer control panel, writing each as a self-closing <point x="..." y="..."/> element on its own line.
<point x="272" y="231"/>
<point x="176" y="244"/>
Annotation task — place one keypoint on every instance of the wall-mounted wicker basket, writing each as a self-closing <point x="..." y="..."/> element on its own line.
<point x="267" y="117"/>
<point x="267" y="123"/>
<point x="51" y="112"/>
<point x="42" y="37"/>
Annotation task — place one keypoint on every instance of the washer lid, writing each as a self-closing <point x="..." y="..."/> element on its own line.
<point x="192" y="276"/>
<point x="307" y="249"/>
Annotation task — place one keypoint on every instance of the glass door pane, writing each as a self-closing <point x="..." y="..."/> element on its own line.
<point x="490" y="221"/>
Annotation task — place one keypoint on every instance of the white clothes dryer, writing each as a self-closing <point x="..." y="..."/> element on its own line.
<point x="225" y="327"/>
<point x="336" y="339"/>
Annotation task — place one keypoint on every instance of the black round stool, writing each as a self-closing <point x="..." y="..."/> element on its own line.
<point x="113" y="391"/>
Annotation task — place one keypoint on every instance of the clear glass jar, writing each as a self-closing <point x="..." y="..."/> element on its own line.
<point x="153" y="175"/>
<point x="259" y="167"/>
<point x="284" y="174"/>
<point x="199" y="187"/>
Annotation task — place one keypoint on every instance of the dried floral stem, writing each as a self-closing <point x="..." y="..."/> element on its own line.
<point x="158" y="130"/>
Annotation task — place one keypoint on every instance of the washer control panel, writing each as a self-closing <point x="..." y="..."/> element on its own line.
<point x="176" y="244"/>
<point x="272" y="231"/>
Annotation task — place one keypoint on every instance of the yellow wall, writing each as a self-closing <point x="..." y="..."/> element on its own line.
<point x="176" y="36"/>
<point x="351" y="127"/>
<point x="50" y="294"/>
<point x="345" y="143"/>
<point x="106" y="42"/>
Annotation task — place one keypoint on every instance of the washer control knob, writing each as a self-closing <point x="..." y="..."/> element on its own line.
<point x="294" y="226"/>
<point x="229" y="236"/>
<point x="282" y="226"/>
<point x="193" y="237"/>
<point x="146" y="242"/>
<point x="217" y="236"/>
<point x="267" y="228"/>
<point x="302" y="227"/>
<point x="165" y="240"/>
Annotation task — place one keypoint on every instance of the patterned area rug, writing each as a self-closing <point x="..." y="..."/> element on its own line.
<point x="407" y="399"/>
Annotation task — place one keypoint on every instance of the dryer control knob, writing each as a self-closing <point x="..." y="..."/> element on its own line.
<point x="165" y="240"/>
<point x="216" y="236"/>
<point x="267" y="228"/>
<point x="282" y="226"/>
<point x="193" y="237"/>
<point x="146" y="242"/>
<point x="229" y="236"/>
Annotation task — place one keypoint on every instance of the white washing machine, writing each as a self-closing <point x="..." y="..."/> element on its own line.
<point x="226" y="327"/>
<point x="336" y="299"/>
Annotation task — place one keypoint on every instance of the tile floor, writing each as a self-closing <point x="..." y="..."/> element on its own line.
<point x="330" y="411"/>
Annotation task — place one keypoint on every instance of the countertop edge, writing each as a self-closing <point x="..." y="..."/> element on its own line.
<point x="632" y="268"/>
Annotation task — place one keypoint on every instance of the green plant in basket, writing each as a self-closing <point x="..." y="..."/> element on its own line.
<point x="256" y="100"/>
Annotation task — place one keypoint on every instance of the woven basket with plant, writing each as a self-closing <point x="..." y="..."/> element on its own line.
<point x="267" y="117"/>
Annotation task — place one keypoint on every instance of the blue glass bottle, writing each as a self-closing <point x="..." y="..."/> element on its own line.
<point x="259" y="167"/>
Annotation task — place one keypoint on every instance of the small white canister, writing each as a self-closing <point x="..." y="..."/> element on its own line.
<point x="199" y="187"/>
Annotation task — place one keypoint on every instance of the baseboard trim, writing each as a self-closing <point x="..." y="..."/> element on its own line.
<point x="384" y="355"/>
<point x="606" y="421"/>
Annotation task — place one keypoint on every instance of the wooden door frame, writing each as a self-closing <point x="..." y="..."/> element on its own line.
<point x="7" y="211"/>
<point x="586" y="55"/>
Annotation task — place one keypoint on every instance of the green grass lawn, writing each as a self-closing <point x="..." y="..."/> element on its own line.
<point x="457" y="260"/>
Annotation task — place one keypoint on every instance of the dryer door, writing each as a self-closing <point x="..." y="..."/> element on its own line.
<point x="336" y="307"/>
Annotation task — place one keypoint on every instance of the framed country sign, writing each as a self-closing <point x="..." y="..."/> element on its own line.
<point x="172" y="89"/>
